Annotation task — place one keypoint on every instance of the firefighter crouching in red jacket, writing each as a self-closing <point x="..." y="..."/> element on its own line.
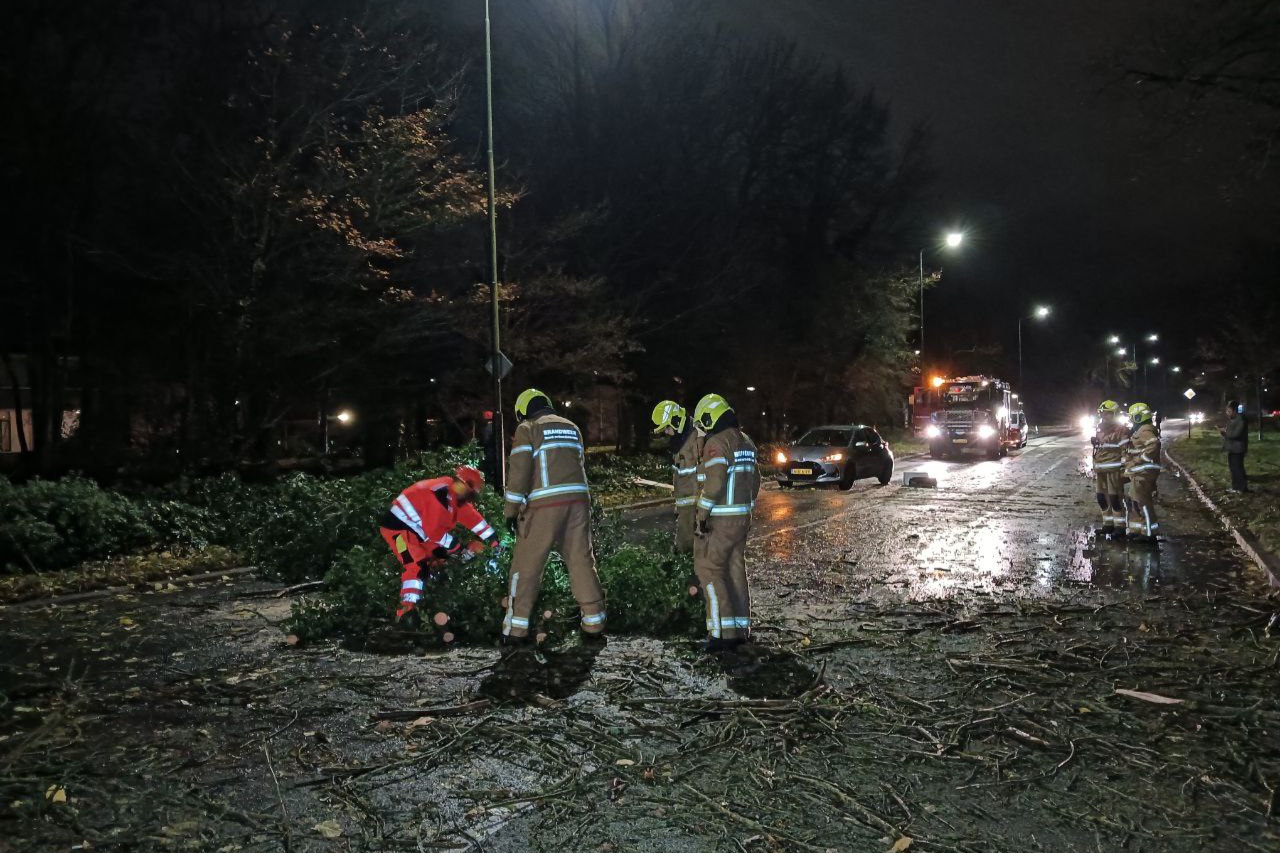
<point x="420" y="528"/>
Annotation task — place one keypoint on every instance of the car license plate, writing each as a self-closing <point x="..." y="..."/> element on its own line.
<point x="962" y="441"/>
<point x="801" y="472"/>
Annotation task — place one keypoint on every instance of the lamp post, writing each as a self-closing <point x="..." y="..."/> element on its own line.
<point x="495" y="354"/>
<point x="952" y="240"/>
<point x="1039" y="314"/>
<point x="1112" y="340"/>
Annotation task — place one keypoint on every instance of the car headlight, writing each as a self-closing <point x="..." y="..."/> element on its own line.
<point x="1086" y="423"/>
<point x="932" y="431"/>
<point x="986" y="431"/>
<point x="833" y="457"/>
<point x="780" y="458"/>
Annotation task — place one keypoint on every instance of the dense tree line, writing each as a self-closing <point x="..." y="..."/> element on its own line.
<point x="229" y="216"/>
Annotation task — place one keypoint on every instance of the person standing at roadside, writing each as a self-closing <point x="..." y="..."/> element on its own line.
<point x="729" y="483"/>
<point x="685" y="446"/>
<point x="548" y="507"/>
<point x="1109" y="443"/>
<point x="1142" y="464"/>
<point x="1235" y="441"/>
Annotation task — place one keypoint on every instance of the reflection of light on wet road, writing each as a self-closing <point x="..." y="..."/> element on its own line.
<point x="962" y="557"/>
<point x="1021" y="525"/>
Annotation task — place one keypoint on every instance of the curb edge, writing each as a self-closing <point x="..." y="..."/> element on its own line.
<point x="1259" y="555"/>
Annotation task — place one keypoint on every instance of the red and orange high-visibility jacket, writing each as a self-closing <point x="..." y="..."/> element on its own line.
<point x="431" y="510"/>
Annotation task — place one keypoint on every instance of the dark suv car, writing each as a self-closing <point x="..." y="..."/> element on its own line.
<point x="839" y="454"/>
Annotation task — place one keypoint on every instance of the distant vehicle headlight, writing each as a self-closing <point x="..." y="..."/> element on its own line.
<point x="833" y="457"/>
<point x="780" y="458"/>
<point x="932" y="431"/>
<point x="1086" y="423"/>
<point x="1197" y="417"/>
<point x="986" y="431"/>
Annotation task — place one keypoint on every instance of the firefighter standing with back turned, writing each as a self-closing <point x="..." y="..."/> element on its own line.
<point x="1142" y="465"/>
<point x="729" y="482"/>
<point x="671" y="419"/>
<point x="1109" y="443"/>
<point x="549" y="507"/>
<point x="419" y="528"/>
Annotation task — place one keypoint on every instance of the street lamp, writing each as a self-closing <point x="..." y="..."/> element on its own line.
<point x="952" y="240"/>
<point x="495" y="354"/>
<point x="1040" y="313"/>
<point x="1152" y="338"/>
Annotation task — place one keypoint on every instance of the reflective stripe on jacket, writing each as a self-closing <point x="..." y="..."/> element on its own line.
<point x="1108" y="453"/>
<point x="684" y="469"/>
<point x="546" y="463"/>
<point x="729" y="475"/>
<point x="431" y="510"/>
<point x="1143" y="453"/>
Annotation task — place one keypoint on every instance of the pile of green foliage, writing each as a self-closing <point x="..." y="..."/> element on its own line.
<point x="305" y="527"/>
<point x="645" y="584"/>
<point x="56" y="524"/>
<point x="613" y="477"/>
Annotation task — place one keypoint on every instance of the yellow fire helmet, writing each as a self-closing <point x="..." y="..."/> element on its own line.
<point x="1140" y="413"/>
<point x="526" y="397"/>
<point x="710" y="409"/>
<point x="1109" y="407"/>
<point x="669" y="413"/>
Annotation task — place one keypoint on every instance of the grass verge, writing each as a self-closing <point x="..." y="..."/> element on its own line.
<point x="1258" y="512"/>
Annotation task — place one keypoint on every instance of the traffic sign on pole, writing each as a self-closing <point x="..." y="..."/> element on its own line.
<point x="1189" y="394"/>
<point x="501" y="362"/>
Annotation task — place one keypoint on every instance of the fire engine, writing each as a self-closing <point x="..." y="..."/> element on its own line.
<point x="973" y="412"/>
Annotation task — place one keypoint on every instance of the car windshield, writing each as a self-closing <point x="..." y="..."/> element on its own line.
<point x="826" y="438"/>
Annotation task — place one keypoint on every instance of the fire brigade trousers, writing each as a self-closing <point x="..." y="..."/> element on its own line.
<point x="563" y="527"/>
<point x="1142" y="503"/>
<point x="720" y="562"/>
<point x="1110" y="489"/>
<point x="414" y="556"/>
<point x="686" y="517"/>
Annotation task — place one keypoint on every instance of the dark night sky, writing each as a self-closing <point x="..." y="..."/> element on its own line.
<point x="1077" y="193"/>
<point x="1073" y="190"/>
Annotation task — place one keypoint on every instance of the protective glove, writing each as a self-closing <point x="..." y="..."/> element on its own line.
<point x="701" y="529"/>
<point x="694" y="585"/>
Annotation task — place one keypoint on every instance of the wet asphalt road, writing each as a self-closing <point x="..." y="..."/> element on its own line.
<point x="1022" y="525"/>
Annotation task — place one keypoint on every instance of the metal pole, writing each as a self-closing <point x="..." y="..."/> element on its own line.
<point x="1260" y="407"/>
<point x="1020" y="387"/>
<point x="499" y="434"/>
<point x="923" y="380"/>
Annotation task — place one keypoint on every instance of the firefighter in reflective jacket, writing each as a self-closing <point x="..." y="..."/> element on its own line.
<point x="549" y="507"/>
<point x="1109" y="443"/>
<point x="671" y="419"/>
<point x="728" y="484"/>
<point x="1142" y="465"/>
<point x="420" y="528"/>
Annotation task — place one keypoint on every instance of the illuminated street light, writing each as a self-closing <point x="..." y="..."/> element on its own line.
<point x="952" y="240"/>
<point x="1039" y="313"/>
<point x="1155" y="360"/>
<point x="1114" y="339"/>
<point x="345" y="416"/>
<point x="1175" y="369"/>
<point x="751" y="387"/>
<point x="1153" y="337"/>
